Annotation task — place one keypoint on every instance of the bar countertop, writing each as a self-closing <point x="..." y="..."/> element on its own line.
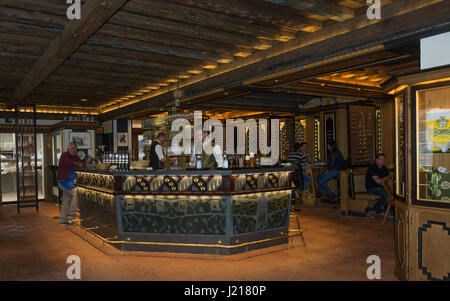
<point x="178" y="172"/>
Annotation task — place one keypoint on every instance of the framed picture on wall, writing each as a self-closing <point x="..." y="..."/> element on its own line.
<point x="122" y="139"/>
<point x="82" y="139"/>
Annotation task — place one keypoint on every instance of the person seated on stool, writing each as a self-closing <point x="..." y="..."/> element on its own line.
<point x="299" y="157"/>
<point x="65" y="178"/>
<point x="375" y="175"/>
<point x="335" y="165"/>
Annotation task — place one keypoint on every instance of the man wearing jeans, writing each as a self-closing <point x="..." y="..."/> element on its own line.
<point x="335" y="165"/>
<point x="66" y="177"/>
<point x="374" y="184"/>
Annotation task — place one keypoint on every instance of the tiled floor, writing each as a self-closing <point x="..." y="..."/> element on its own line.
<point x="34" y="247"/>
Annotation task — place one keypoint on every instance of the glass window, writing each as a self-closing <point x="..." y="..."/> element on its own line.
<point x="8" y="167"/>
<point x="400" y="146"/>
<point x="433" y="144"/>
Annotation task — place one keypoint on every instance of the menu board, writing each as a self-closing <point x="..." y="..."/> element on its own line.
<point x="362" y="132"/>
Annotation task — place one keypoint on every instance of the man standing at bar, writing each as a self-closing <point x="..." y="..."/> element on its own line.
<point x="157" y="157"/>
<point x="374" y="183"/>
<point x="299" y="157"/>
<point x="210" y="161"/>
<point x="66" y="177"/>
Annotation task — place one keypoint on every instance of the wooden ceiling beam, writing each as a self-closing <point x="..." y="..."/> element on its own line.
<point x="208" y="19"/>
<point x="170" y="27"/>
<point x="93" y="15"/>
<point x="96" y="74"/>
<point x="139" y="55"/>
<point x="405" y="16"/>
<point x="147" y="35"/>
<point x="34" y="18"/>
<point x="12" y="38"/>
<point x="28" y="30"/>
<point x="99" y="84"/>
<point x="150" y="47"/>
<point x="112" y="68"/>
<point x="333" y="89"/>
<point x="326" y="8"/>
<point x="88" y="57"/>
<point x="260" y="12"/>
<point x="56" y="7"/>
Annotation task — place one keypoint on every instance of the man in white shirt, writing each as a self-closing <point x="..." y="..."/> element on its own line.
<point x="208" y="161"/>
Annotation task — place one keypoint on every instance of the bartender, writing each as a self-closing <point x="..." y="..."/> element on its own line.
<point x="210" y="161"/>
<point x="157" y="158"/>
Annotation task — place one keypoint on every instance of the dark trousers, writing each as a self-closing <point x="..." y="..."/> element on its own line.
<point x="382" y="193"/>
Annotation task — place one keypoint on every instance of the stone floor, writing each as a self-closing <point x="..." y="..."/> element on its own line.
<point x="33" y="246"/>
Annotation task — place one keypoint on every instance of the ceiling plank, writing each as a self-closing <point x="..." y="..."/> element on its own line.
<point x="151" y="36"/>
<point x="192" y="15"/>
<point x="324" y="8"/>
<point x="401" y="16"/>
<point x="192" y="30"/>
<point x="93" y="15"/>
<point x="257" y="12"/>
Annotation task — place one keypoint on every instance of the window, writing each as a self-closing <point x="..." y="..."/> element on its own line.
<point x="433" y="144"/>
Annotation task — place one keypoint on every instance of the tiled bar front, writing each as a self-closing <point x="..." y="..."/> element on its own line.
<point x="183" y="211"/>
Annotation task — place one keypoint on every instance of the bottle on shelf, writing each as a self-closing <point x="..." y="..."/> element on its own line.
<point x="252" y="160"/>
<point x="225" y="160"/>
<point x="241" y="161"/>
<point x="198" y="162"/>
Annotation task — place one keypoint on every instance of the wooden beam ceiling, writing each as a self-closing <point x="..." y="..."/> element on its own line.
<point x="139" y="51"/>
<point x="94" y="14"/>
<point x="400" y="16"/>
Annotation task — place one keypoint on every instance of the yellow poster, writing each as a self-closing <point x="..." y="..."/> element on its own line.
<point x="439" y="134"/>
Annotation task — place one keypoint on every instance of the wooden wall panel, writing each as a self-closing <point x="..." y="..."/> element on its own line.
<point x="342" y="131"/>
<point x="388" y="131"/>
<point x="430" y="244"/>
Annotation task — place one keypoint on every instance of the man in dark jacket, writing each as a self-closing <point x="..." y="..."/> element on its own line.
<point x="156" y="155"/>
<point x="335" y="165"/>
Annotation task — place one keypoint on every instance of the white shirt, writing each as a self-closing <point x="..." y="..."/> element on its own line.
<point x="159" y="152"/>
<point x="217" y="152"/>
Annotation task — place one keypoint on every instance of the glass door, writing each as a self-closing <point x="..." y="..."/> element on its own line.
<point x="8" y="167"/>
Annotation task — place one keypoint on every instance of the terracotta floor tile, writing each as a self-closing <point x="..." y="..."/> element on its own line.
<point x="34" y="247"/>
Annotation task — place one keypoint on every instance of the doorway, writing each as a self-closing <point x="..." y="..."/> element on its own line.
<point x="8" y="176"/>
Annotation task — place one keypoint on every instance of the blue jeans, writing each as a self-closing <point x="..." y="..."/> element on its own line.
<point x="306" y="181"/>
<point x="380" y="192"/>
<point x="324" y="178"/>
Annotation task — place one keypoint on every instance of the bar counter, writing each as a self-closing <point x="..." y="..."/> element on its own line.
<point x="187" y="210"/>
